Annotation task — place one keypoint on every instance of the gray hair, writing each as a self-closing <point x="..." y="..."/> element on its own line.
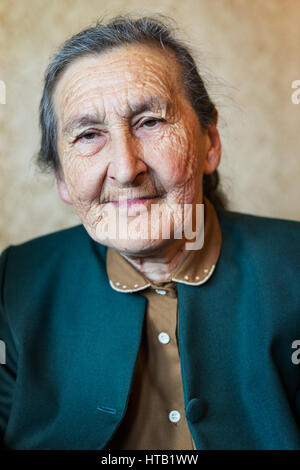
<point x="122" y="30"/>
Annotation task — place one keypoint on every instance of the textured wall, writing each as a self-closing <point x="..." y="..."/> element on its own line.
<point x="249" y="51"/>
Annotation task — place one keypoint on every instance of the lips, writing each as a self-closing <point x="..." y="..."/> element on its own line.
<point x="130" y="202"/>
<point x="135" y="198"/>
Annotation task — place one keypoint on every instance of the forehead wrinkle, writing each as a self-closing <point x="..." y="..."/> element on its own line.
<point x="148" y="79"/>
<point x="92" y="114"/>
<point x="146" y="73"/>
<point x="73" y="99"/>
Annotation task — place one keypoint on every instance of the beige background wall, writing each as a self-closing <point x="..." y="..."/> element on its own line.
<point x="250" y="52"/>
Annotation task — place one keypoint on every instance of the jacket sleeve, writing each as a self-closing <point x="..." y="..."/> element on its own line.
<point x="8" y="355"/>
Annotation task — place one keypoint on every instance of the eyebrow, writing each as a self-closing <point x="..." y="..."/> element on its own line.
<point x="81" y="121"/>
<point x="154" y="103"/>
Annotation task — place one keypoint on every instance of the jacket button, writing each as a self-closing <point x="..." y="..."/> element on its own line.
<point x="195" y="410"/>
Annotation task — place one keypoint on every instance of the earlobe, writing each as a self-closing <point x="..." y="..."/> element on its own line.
<point x="213" y="155"/>
<point x="62" y="187"/>
<point x="212" y="162"/>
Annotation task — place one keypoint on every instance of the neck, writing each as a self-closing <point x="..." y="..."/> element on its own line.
<point x="158" y="266"/>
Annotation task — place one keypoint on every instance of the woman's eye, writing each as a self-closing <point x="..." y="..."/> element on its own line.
<point x="150" y="122"/>
<point x="88" y="136"/>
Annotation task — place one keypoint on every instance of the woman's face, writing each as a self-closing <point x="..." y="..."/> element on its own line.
<point x="129" y="139"/>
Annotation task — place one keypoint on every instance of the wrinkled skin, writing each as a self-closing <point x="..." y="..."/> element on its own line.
<point x="126" y="151"/>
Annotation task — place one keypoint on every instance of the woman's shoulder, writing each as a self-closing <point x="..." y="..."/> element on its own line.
<point x="44" y="257"/>
<point x="260" y="229"/>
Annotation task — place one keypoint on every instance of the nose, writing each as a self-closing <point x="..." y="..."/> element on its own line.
<point x="125" y="163"/>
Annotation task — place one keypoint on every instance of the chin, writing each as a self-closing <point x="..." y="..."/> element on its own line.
<point x="134" y="236"/>
<point x="138" y="247"/>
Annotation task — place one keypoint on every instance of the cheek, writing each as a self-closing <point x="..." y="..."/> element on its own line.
<point x="84" y="177"/>
<point x="175" y="156"/>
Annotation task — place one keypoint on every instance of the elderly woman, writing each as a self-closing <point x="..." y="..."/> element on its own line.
<point x="129" y="339"/>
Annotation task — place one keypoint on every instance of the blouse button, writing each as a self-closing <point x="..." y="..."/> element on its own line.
<point x="164" y="338"/>
<point x="174" y="416"/>
<point x="161" y="291"/>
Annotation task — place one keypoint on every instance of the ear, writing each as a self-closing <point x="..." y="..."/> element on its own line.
<point x="62" y="187"/>
<point x="214" y="149"/>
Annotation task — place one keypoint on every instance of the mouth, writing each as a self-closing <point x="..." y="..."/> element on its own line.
<point x="135" y="201"/>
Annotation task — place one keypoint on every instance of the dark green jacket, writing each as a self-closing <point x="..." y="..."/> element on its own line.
<point x="72" y="342"/>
